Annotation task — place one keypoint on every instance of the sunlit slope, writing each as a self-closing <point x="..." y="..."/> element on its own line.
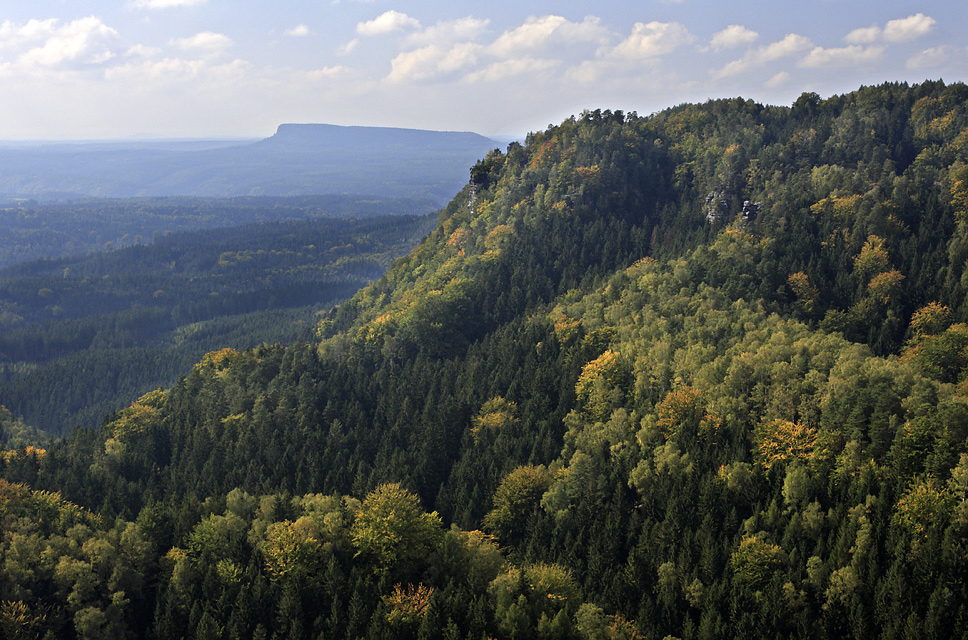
<point x="859" y="198"/>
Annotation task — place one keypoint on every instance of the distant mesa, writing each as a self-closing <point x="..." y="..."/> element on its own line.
<point x="330" y="134"/>
<point x="299" y="159"/>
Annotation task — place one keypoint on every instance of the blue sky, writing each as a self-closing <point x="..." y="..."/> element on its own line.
<point x="75" y="69"/>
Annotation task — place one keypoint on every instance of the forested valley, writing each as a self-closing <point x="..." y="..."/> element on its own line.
<point x="33" y="230"/>
<point x="698" y="374"/>
<point x="83" y="335"/>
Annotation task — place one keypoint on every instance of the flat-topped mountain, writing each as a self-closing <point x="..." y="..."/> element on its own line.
<point x="290" y="136"/>
<point x="300" y="159"/>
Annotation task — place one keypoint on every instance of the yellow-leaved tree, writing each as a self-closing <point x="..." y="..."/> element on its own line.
<point x="755" y="562"/>
<point x="924" y="509"/>
<point x="783" y="441"/>
<point x="292" y="549"/>
<point x="407" y="606"/>
<point x="602" y="384"/>
<point x="393" y="531"/>
<point x="495" y="414"/>
<point x="516" y="497"/>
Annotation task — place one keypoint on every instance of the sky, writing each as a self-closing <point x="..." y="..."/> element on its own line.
<point x="120" y="69"/>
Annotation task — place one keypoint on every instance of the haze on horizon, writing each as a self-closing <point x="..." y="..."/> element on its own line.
<point x="114" y="69"/>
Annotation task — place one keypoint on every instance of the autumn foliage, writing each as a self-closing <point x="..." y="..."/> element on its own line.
<point x="407" y="605"/>
<point x="392" y="529"/>
<point x="779" y="441"/>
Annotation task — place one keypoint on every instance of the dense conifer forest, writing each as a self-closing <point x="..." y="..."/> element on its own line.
<point x="32" y="230"/>
<point x="698" y="374"/>
<point x="83" y="335"/>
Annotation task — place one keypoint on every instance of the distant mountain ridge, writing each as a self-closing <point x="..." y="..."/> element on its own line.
<point x="299" y="159"/>
<point x="292" y="134"/>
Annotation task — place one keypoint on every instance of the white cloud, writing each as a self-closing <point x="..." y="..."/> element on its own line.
<point x="509" y="68"/>
<point x="733" y="36"/>
<point x="459" y="56"/>
<point x="791" y="45"/>
<point x="206" y="40"/>
<point x="84" y="41"/>
<point x="347" y="47"/>
<point x="327" y="73"/>
<point x="164" y="4"/>
<point x="415" y="65"/>
<point x="853" y="55"/>
<point x="428" y="69"/>
<point x="863" y="35"/>
<point x="548" y="31"/>
<point x="448" y="31"/>
<point x="427" y="62"/>
<point x="646" y="44"/>
<point x="653" y="39"/>
<point x="899" y="30"/>
<point x="933" y="57"/>
<point x="387" y="22"/>
<point x="299" y="31"/>
<point x="14" y="35"/>
<point x="590" y="71"/>
<point x="910" y="28"/>
<point x="139" y="72"/>
<point x="177" y="70"/>
<point x="778" y="80"/>
<point x="142" y="51"/>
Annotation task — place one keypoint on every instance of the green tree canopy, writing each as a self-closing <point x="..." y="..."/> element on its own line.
<point x="393" y="530"/>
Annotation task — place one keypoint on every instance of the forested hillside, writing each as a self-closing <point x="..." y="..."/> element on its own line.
<point x="83" y="335"/>
<point x="31" y="230"/>
<point x="700" y="374"/>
